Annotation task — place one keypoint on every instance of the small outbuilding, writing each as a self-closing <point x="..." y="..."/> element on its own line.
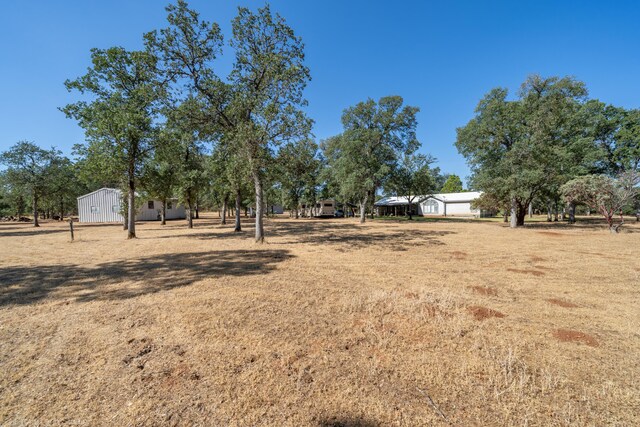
<point x="105" y="205"/>
<point x="268" y="210"/>
<point x="439" y="204"/>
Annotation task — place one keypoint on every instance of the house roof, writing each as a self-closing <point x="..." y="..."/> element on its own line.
<point x="464" y="197"/>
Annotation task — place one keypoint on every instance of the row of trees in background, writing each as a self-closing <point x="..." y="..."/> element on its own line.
<point x="547" y="146"/>
<point x="37" y="180"/>
<point x="164" y="121"/>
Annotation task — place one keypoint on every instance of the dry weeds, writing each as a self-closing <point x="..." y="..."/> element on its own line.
<point x="328" y="324"/>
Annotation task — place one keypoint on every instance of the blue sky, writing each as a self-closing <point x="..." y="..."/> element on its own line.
<point x="440" y="56"/>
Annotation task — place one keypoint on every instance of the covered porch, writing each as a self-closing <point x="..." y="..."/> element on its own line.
<point x="394" y="207"/>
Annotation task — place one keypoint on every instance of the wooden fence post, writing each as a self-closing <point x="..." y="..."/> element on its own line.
<point x="71" y="228"/>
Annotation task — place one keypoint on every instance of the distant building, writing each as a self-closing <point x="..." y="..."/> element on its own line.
<point x="322" y="208"/>
<point x="439" y="204"/>
<point x="105" y="205"/>
<point x="269" y="210"/>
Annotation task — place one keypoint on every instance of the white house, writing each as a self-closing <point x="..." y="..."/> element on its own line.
<point x="104" y="205"/>
<point x="439" y="204"/>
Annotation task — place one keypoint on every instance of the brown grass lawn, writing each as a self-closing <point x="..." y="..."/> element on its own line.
<point x="329" y="323"/>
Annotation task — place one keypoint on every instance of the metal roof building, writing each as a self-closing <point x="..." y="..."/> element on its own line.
<point x="445" y="204"/>
<point x="104" y="205"/>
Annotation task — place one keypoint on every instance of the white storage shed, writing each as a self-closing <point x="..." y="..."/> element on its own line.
<point x="104" y="205"/>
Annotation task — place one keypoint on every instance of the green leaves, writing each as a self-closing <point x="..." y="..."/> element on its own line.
<point x="607" y="195"/>
<point x="298" y="171"/>
<point x="452" y="185"/>
<point x="529" y="146"/>
<point x="29" y="166"/>
<point x="412" y="178"/>
<point x="376" y="137"/>
<point x="119" y="121"/>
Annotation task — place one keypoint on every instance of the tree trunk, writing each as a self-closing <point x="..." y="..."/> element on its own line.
<point x="197" y="209"/>
<point x="189" y="213"/>
<point x="257" y="182"/>
<point x="61" y="209"/>
<point x="531" y="210"/>
<point x="224" y="210"/>
<point x="555" y="211"/>
<point x="572" y="213"/>
<point x="163" y="214"/>
<point x="410" y="216"/>
<point x="363" y="209"/>
<point x="514" y="213"/>
<point x="372" y="202"/>
<point x="505" y="216"/>
<point x="238" y="225"/>
<point x="521" y="215"/>
<point x="35" y="210"/>
<point x="131" y="209"/>
<point x="549" y="212"/>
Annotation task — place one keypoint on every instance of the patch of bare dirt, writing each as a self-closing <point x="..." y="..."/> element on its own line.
<point x="482" y="313"/>
<point x="485" y="290"/>
<point x="459" y="255"/>
<point x="536" y="273"/>
<point x="411" y="295"/>
<point x="561" y="303"/>
<point x="568" y="335"/>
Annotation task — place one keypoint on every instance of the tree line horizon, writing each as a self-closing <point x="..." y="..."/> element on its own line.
<point x="164" y="120"/>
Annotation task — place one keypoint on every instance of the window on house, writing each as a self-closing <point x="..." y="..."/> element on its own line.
<point x="150" y="204"/>
<point x="431" y="207"/>
<point x="169" y="205"/>
<point x="328" y="205"/>
<point x="95" y="209"/>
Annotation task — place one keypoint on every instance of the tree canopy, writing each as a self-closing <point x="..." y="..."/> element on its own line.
<point x="453" y="184"/>
<point x="376" y="135"/>
<point x="518" y="149"/>
<point x="119" y="119"/>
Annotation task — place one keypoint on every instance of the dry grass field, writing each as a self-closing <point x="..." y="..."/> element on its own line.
<point x="329" y="323"/>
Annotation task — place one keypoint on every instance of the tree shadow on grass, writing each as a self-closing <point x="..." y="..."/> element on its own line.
<point x="34" y="231"/>
<point x="592" y="224"/>
<point x="347" y="422"/>
<point x="26" y="285"/>
<point x="351" y="236"/>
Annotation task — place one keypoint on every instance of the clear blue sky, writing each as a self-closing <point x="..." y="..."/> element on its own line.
<point x="441" y="56"/>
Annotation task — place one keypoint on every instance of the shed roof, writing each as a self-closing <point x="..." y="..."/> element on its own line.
<point x="117" y="190"/>
<point x="98" y="191"/>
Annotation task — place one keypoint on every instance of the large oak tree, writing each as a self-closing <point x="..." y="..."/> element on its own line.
<point x="376" y="135"/>
<point x="521" y="148"/>
<point x="123" y="89"/>
<point x="257" y="106"/>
